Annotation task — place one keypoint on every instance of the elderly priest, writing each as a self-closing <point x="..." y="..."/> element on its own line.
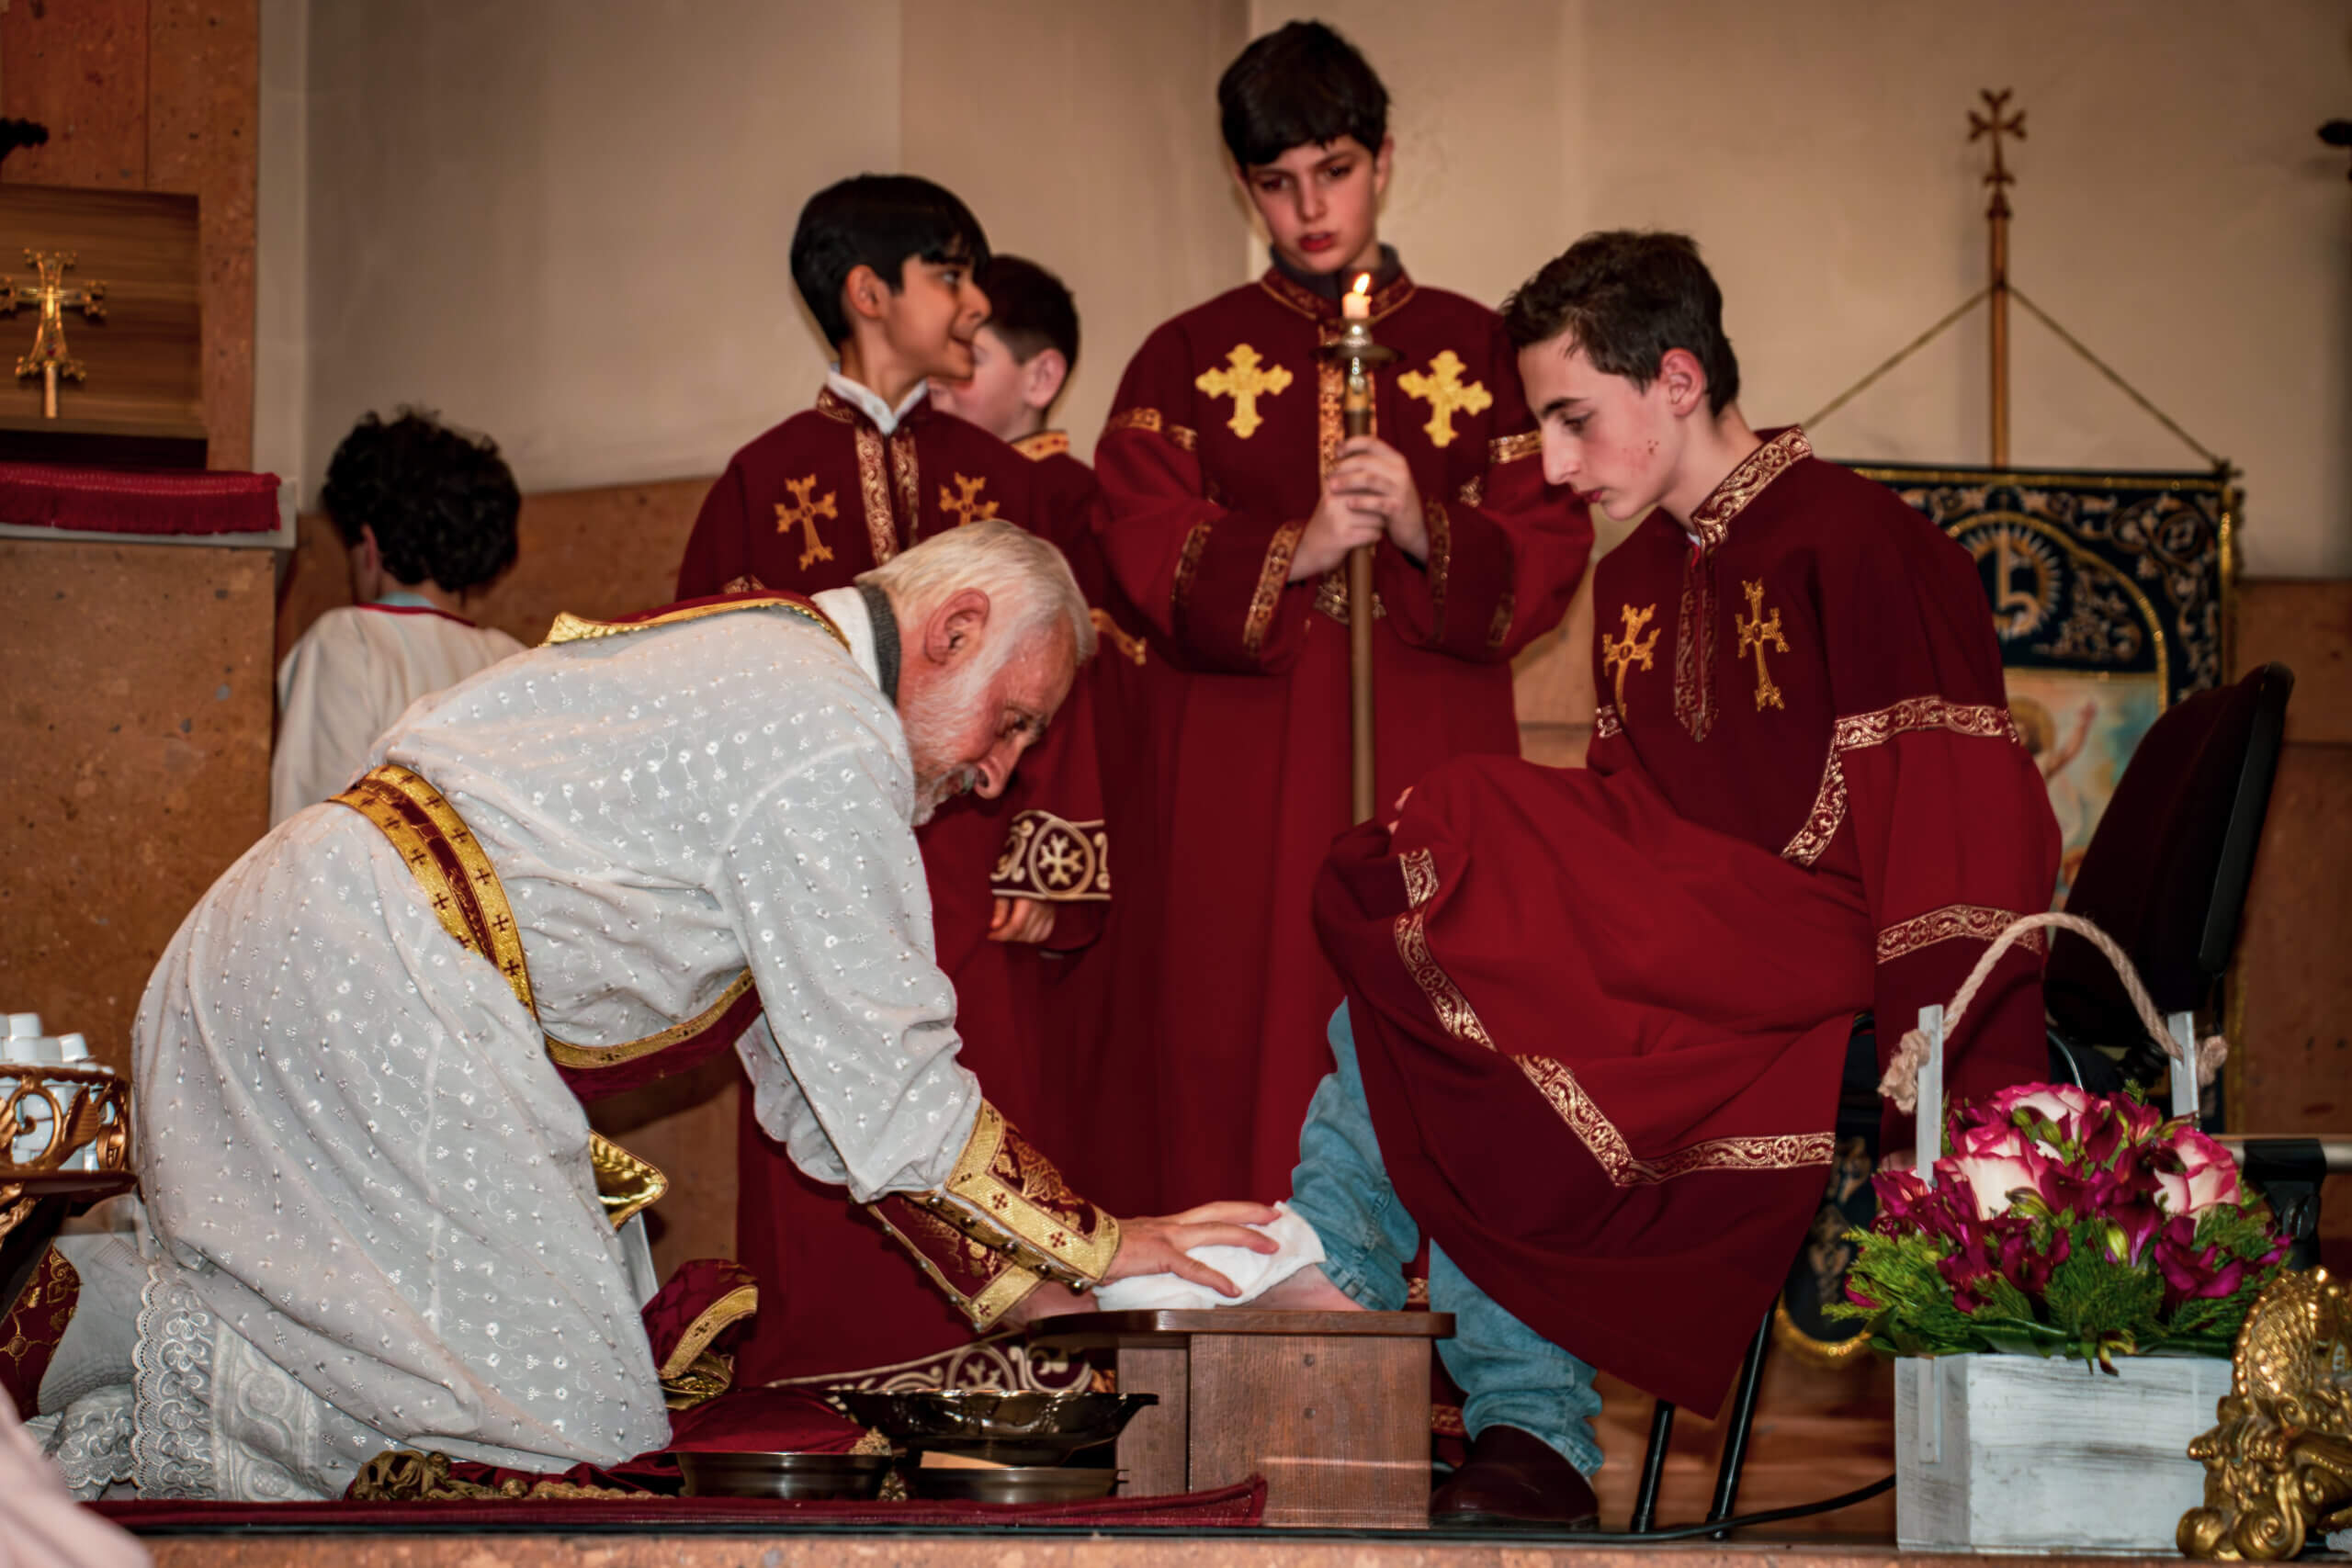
<point x="374" y="1210"/>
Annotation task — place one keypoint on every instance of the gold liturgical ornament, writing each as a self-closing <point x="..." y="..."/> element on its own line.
<point x="2279" y="1465"/>
<point x="49" y="360"/>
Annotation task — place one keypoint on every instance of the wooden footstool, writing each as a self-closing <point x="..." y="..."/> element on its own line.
<point x="1332" y="1407"/>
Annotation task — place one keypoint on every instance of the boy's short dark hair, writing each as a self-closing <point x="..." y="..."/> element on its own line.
<point x="877" y="221"/>
<point x="1301" y="84"/>
<point x="443" y="504"/>
<point x="1626" y="297"/>
<point x="1030" y="309"/>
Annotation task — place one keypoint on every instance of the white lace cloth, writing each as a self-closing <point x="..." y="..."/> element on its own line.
<point x="41" y="1524"/>
<point x="369" y="1189"/>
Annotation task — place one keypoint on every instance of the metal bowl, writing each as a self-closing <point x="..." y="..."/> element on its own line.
<point x="1018" y="1484"/>
<point x="1006" y="1429"/>
<point x="801" y="1476"/>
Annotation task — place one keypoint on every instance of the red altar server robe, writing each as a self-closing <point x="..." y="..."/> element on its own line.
<point x="1213" y="461"/>
<point x="809" y="506"/>
<point x="1602" y="1013"/>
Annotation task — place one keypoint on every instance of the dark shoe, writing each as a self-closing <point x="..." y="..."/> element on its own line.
<point x="1515" y="1481"/>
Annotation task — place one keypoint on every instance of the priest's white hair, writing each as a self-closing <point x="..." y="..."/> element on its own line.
<point x="1025" y="577"/>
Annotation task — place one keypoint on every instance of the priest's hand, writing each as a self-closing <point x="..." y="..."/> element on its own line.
<point x="1049" y="1300"/>
<point x="1373" y="478"/>
<point x="1021" y="920"/>
<point x="1338" y="526"/>
<point x="1161" y="1245"/>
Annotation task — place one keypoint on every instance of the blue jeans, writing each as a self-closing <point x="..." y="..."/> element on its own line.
<point x="1513" y="1376"/>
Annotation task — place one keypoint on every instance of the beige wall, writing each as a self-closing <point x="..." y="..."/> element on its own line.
<point x="567" y="222"/>
<point x="2175" y="209"/>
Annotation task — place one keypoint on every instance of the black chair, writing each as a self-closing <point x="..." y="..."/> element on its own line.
<point x="2165" y="873"/>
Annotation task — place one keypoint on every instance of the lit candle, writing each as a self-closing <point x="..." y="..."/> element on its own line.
<point x="1355" y="305"/>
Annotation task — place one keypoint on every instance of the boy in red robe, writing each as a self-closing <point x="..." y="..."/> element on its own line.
<point x="1596" y="1018"/>
<point x="1231" y="502"/>
<point x="887" y="265"/>
<point x="1098" y="1087"/>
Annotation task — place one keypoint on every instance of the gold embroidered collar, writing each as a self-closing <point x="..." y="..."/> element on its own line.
<point x="1042" y="444"/>
<point x="1385" y="301"/>
<point x="1711" y="519"/>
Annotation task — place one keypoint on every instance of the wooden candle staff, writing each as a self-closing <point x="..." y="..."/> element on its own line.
<point x="1358" y="355"/>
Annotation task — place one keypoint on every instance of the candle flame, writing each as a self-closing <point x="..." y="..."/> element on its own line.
<point x="1363" y="284"/>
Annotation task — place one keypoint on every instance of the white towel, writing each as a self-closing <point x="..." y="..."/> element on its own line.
<point x="1255" y="1272"/>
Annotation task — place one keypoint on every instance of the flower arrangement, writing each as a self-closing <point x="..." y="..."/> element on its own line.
<point x="2064" y="1224"/>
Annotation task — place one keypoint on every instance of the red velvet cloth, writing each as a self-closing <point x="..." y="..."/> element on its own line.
<point x="133" y="500"/>
<point x="1227" y="1508"/>
<point x="1203" y="503"/>
<point x="1602" y="1013"/>
<point x="839" y="1294"/>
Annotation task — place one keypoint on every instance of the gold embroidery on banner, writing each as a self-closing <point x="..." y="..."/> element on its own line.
<point x="1152" y="420"/>
<point x="1134" y="649"/>
<point x="802" y="514"/>
<point x="1245" y="379"/>
<point x="1419" y="869"/>
<point x="1605" y="725"/>
<point x="1050" y="858"/>
<point x="1973" y="922"/>
<point x="1757" y="633"/>
<point x="906" y="473"/>
<point x="1272" y="578"/>
<point x="1620" y="653"/>
<point x="568" y="628"/>
<point x="1694" y="647"/>
<point x="965" y="506"/>
<point x="1977" y="721"/>
<point x="881" y="526"/>
<point x="1446" y="393"/>
<point x="1827" y="815"/>
<point x="1040" y="445"/>
<point x="1511" y="448"/>
<point x="1711" y="519"/>
<point x="1188" y="565"/>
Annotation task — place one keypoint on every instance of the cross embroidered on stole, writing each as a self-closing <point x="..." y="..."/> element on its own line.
<point x="1756" y="632"/>
<point x="967" y="506"/>
<point x="802" y="514"/>
<point x="1619" y="653"/>
<point x="1443" y="390"/>
<point x="1245" y="382"/>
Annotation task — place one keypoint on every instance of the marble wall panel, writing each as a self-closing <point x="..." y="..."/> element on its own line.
<point x="134" y="762"/>
<point x="81" y="70"/>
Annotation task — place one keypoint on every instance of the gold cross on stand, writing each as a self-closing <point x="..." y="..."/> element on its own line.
<point x="1444" y="390"/>
<point x="1756" y="632"/>
<point x="1618" y="653"/>
<point x="1245" y="383"/>
<point x="968" y="507"/>
<point x="49" y="359"/>
<point x="802" y="514"/>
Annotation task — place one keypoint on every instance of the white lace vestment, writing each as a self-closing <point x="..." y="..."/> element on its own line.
<point x="368" y="1190"/>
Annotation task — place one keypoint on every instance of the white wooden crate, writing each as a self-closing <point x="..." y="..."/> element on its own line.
<point x="2008" y="1453"/>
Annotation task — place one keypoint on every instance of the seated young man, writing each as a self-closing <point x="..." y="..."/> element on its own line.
<point x="426" y="514"/>
<point x="888" y="265"/>
<point x="1596" y="1017"/>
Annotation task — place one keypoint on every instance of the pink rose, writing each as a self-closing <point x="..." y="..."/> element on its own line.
<point x="2059" y="1102"/>
<point x="1993" y="1178"/>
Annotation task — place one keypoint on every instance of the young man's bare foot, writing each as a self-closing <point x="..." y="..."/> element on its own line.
<point x="1309" y="1289"/>
<point x="1049" y="1300"/>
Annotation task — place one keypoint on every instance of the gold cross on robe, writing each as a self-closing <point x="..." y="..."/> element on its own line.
<point x="967" y="507"/>
<point x="1756" y="632"/>
<point x="802" y="514"/>
<point x="1245" y="383"/>
<point x="49" y="359"/>
<point x="1441" y="388"/>
<point x="1620" y="652"/>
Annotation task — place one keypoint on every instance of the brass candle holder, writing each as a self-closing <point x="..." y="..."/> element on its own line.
<point x="1358" y="356"/>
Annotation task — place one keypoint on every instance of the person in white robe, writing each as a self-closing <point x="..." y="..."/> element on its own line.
<point x="426" y="514"/>
<point x="371" y="1218"/>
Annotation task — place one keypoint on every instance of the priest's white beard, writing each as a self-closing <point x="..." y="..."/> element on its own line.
<point x="932" y="719"/>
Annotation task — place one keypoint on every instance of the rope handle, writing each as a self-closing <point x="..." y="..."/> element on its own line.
<point x="1901" y="1082"/>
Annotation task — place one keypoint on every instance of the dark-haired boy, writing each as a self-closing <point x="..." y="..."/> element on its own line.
<point x="1596" y="1019"/>
<point x="426" y="514"/>
<point x="1231" y="501"/>
<point x="887" y="264"/>
<point x="1099" y="1089"/>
